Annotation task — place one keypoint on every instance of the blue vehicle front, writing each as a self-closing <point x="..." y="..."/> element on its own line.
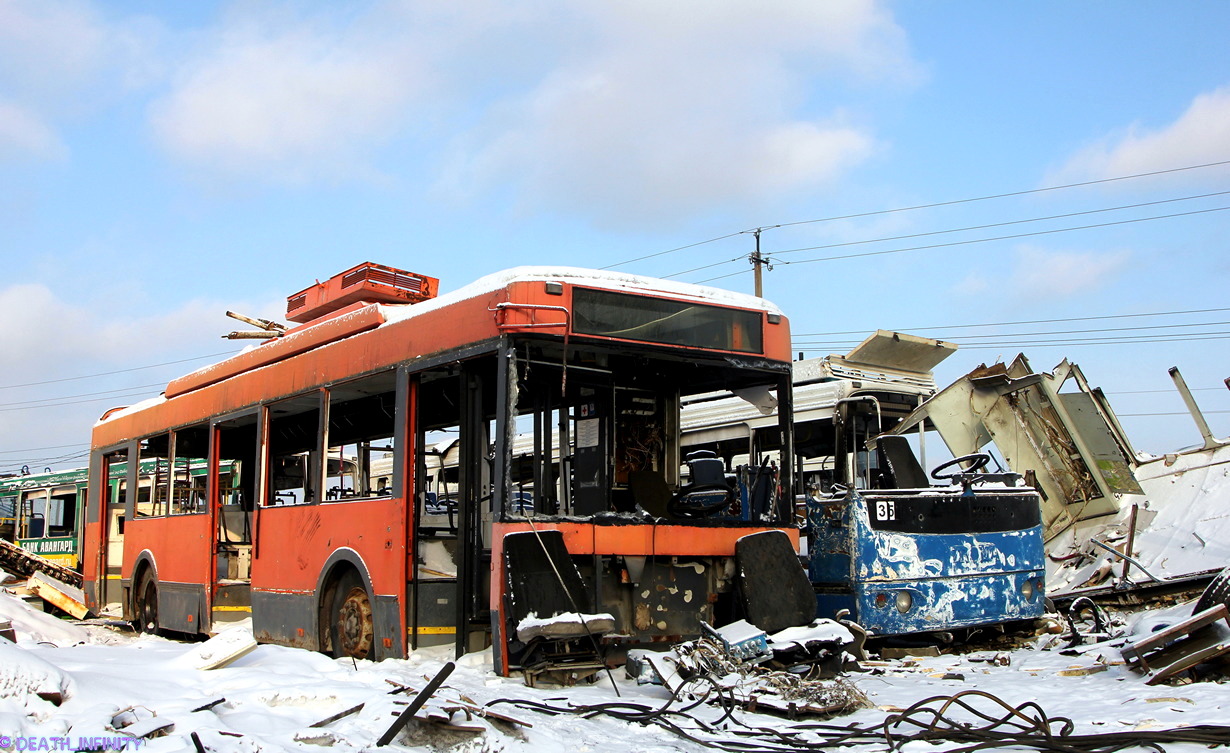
<point x="928" y="560"/>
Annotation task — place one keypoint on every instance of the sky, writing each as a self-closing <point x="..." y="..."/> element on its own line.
<point x="161" y="163"/>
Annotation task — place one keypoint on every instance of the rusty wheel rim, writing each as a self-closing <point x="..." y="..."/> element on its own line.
<point x="354" y="624"/>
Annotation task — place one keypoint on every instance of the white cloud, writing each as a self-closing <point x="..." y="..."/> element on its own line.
<point x="1042" y="274"/>
<point x="57" y="59"/>
<point x="24" y="135"/>
<point x="1039" y="274"/>
<point x="680" y="107"/>
<point x="615" y="111"/>
<point x="1199" y="135"/>
<point x="49" y="44"/>
<point x="288" y="102"/>
<point x="43" y="329"/>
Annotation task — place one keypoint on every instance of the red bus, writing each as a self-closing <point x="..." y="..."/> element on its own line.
<point x="325" y="513"/>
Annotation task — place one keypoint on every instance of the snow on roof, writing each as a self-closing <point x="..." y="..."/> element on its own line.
<point x="594" y="278"/>
<point x="494" y="282"/>
<point x="134" y="408"/>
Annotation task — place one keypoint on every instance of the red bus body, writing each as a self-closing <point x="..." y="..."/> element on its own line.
<point x="274" y="530"/>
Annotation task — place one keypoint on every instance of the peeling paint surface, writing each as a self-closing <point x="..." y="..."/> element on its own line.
<point x="899" y="582"/>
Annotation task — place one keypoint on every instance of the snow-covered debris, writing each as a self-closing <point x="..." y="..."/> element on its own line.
<point x="564" y="625"/>
<point x="222" y="649"/>
<point x="38" y="627"/>
<point x="820" y="631"/>
<point x="22" y="674"/>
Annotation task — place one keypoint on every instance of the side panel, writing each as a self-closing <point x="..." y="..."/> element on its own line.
<point x="180" y="545"/>
<point x="297" y="549"/>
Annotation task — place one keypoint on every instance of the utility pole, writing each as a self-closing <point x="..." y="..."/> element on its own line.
<point x="758" y="262"/>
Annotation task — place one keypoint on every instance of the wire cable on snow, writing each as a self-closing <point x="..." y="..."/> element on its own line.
<point x="929" y="720"/>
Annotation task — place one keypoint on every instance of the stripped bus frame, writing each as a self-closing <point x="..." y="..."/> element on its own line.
<point x="593" y="363"/>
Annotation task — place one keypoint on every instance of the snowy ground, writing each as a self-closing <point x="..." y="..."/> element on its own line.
<point x="273" y="695"/>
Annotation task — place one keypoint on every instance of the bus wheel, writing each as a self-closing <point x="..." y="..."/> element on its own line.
<point x="353" y="625"/>
<point x="146" y="612"/>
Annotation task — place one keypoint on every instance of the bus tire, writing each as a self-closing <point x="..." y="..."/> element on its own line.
<point x="145" y="606"/>
<point x="352" y="626"/>
<point x="1217" y="592"/>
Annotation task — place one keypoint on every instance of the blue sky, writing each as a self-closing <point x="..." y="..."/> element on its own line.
<point x="163" y="162"/>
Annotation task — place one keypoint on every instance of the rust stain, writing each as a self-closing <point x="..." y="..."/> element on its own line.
<point x="640" y="617"/>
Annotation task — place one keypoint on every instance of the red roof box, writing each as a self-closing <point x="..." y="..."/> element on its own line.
<point x="368" y="282"/>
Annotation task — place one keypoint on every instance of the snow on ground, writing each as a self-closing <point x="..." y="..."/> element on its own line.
<point x="274" y="694"/>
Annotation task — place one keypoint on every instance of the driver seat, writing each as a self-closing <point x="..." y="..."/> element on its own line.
<point x="907" y="472"/>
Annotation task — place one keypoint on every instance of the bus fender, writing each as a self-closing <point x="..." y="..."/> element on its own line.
<point x="386" y="610"/>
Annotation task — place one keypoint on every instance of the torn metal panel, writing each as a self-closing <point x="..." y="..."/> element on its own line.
<point x="59" y="594"/>
<point x="1069" y="442"/>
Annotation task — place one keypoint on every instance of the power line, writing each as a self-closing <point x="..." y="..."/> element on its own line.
<point x="673" y="250"/>
<point x="1005" y="195"/>
<point x="982" y="240"/>
<point x="1008" y="237"/>
<point x="1088" y="331"/>
<point x="43" y="462"/>
<point x="926" y="206"/>
<point x="118" y="371"/>
<point x="1169" y="392"/>
<point x="1028" y="321"/>
<point x="1079" y="343"/>
<point x="1168" y="414"/>
<point x="999" y="224"/>
<point x="52" y="447"/>
<point x="74" y="402"/>
<point x="1119" y="340"/>
<point x="84" y="394"/>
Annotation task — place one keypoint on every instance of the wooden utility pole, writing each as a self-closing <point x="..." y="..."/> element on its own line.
<point x="758" y="262"/>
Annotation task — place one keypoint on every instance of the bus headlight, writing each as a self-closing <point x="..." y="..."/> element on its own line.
<point x="904" y="601"/>
<point x="1027" y="589"/>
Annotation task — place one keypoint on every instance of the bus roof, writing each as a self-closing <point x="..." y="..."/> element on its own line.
<point x="360" y="318"/>
<point x="594" y="278"/>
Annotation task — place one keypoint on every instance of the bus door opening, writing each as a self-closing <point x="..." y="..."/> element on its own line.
<point x="453" y="503"/>
<point x="235" y="449"/>
<point x="114" y="501"/>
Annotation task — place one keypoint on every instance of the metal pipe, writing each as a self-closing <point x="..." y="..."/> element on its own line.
<point x="1133" y="560"/>
<point x="879" y="431"/>
<point x="1197" y="416"/>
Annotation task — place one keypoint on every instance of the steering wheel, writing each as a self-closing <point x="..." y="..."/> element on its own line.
<point x="977" y="460"/>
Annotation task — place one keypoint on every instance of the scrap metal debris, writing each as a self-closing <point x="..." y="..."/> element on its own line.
<point x="793" y="672"/>
<point x="408" y="713"/>
<point x="1181" y="647"/>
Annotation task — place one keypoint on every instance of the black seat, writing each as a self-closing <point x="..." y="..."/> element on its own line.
<point x="543" y="582"/>
<point x="773" y="587"/>
<point x="707" y="471"/>
<point x="905" y="468"/>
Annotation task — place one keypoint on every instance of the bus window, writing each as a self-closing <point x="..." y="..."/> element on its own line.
<point x="294" y="471"/>
<point x="237" y="462"/>
<point x="62" y="512"/>
<point x="33" y="514"/>
<point x="361" y="439"/>
<point x="189" y="464"/>
<point x="8" y="517"/>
